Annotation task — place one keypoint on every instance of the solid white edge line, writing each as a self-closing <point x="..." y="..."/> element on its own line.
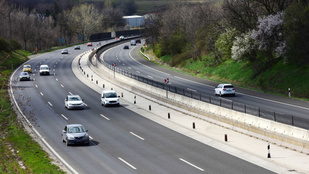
<point x="191" y="164"/>
<point x="130" y="165"/>
<point x="137" y="136"/>
<point x="35" y="131"/>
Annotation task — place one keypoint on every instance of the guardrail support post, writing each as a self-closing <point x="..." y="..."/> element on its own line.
<point x="135" y="99"/>
<point x="168" y="115"/>
<point x="149" y="107"/>
<point x="225" y="137"/>
<point x="193" y="125"/>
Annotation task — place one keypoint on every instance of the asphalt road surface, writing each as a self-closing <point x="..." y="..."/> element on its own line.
<point x="121" y="141"/>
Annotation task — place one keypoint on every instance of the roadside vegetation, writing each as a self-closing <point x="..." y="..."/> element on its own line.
<point x="251" y="43"/>
<point x="19" y="153"/>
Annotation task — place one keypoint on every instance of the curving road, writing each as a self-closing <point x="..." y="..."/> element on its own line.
<point x="131" y="61"/>
<point x="122" y="141"/>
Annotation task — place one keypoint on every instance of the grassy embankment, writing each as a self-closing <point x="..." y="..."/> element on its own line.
<point x="276" y="80"/>
<point x="19" y="153"/>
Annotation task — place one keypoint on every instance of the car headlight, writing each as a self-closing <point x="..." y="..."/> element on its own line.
<point x="70" y="137"/>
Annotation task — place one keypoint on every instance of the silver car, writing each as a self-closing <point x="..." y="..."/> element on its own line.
<point x="74" y="102"/>
<point x="225" y="89"/>
<point x="75" y="134"/>
<point x="24" y="76"/>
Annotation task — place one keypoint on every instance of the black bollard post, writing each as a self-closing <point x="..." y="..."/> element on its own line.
<point x="135" y="99"/>
<point x="149" y="107"/>
<point x="168" y="116"/>
<point x="193" y="125"/>
<point x="268" y="147"/>
<point x="225" y="137"/>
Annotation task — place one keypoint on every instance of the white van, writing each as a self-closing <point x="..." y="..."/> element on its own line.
<point x="109" y="97"/>
<point x="44" y="70"/>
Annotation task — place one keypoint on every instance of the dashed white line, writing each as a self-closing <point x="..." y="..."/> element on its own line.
<point x="56" y="79"/>
<point x="124" y="64"/>
<point x="130" y="165"/>
<point x="191" y="164"/>
<point x="129" y="67"/>
<point x="70" y="93"/>
<point x="50" y="103"/>
<point x="62" y="85"/>
<point x="104" y="116"/>
<point x="138" y="72"/>
<point x="90" y="137"/>
<point x="137" y="136"/>
<point x="36" y="86"/>
<point x="41" y="94"/>
<point x="150" y="76"/>
<point x="64" y="117"/>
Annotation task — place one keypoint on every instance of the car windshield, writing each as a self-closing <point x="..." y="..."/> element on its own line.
<point x="111" y="95"/>
<point x="24" y="73"/>
<point x="44" y="68"/>
<point x="75" y="98"/>
<point x="77" y="129"/>
<point x="27" y="66"/>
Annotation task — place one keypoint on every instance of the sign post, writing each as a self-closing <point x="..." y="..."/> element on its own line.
<point x="114" y="65"/>
<point x="166" y="81"/>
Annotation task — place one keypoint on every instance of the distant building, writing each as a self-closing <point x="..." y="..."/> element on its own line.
<point x="135" y="21"/>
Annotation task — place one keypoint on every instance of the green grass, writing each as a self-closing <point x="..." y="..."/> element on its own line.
<point x="276" y="80"/>
<point x="16" y="145"/>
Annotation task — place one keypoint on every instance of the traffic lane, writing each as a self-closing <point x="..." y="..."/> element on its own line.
<point x="46" y="120"/>
<point x="50" y="125"/>
<point x="188" y="83"/>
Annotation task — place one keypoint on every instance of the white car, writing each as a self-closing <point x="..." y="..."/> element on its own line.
<point x="225" y="89"/>
<point x="44" y="70"/>
<point x="109" y="97"/>
<point x="74" y="102"/>
<point x="64" y="51"/>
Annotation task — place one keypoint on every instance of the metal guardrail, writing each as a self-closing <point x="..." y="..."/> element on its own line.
<point x="240" y="107"/>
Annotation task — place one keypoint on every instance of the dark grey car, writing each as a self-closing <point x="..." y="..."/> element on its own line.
<point x="75" y="134"/>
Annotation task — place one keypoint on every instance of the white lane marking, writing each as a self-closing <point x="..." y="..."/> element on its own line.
<point x="150" y="76"/>
<point x="146" y="65"/>
<point x="191" y="164"/>
<point x="56" y="79"/>
<point x="191" y="89"/>
<point x="90" y="137"/>
<point x="130" y="165"/>
<point x="85" y="104"/>
<point x="104" y="116"/>
<point x="137" y="136"/>
<point x="33" y="79"/>
<point x="70" y="93"/>
<point x="129" y="67"/>
<point x="138" y="72"/>
<point x="62" y="85"/>
<point x="50" y="103"/>
<point x="123" y="64"/>
<point x="64" y="117"/>
<point x="41" y="94"/>
<point x="54" y="69"/>
<point x="119" y="61"/>
<point x="36" y="86"/>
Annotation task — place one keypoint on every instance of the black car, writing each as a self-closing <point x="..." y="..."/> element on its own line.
<point x="126" y="47"/>
<point x="138" y="41"/>
<point x="77" y="48"/>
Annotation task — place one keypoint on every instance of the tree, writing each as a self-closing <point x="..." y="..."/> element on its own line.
<point x="85" y="18"/>
<point x="296" y="30"/>
<point x="225" y="42"/>
<point x="269" y="35"/>
<point x="244" y="48"/>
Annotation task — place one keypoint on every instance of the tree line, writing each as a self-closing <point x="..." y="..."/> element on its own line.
<point x="260" y="32"/>
<point x="35" y="24"/>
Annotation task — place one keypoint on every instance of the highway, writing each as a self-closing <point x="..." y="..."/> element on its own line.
<point x="122" y="141"/>
<point x="131" y="61"/>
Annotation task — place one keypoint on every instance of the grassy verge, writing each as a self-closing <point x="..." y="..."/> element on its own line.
<point x="276" y="80"/>
<point x="19" y="153"/>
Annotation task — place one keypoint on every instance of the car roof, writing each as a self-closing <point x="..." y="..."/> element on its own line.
<point x="43" y="65"/>
<point x="27" y="65"/>
<point x="73" y="96"/>
<point x="226" y="84"/>
<point x="73" y="125"/>
<point x="108" y="91"/>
